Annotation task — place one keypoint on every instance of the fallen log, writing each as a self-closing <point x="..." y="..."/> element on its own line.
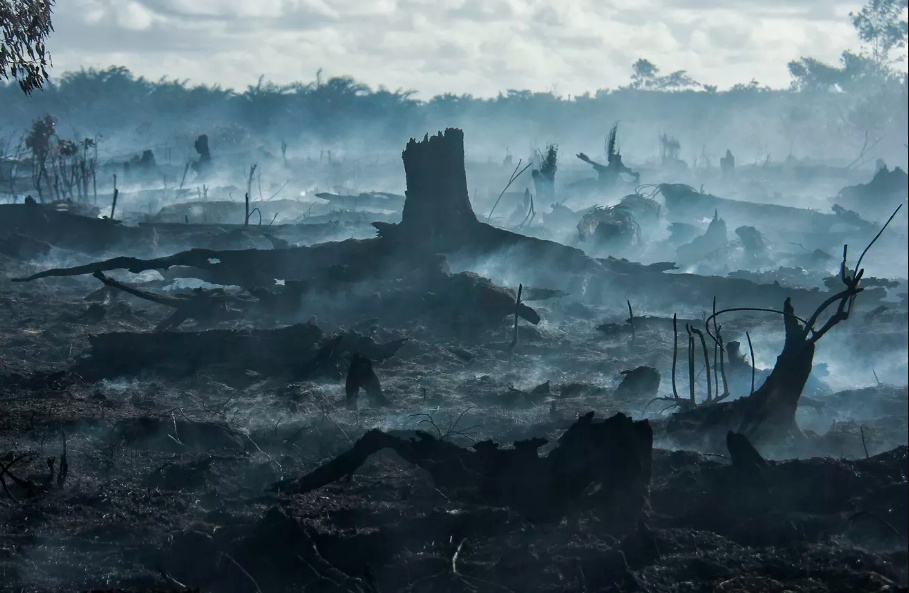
<point x="203" y="306"/>
<point x="61" y="228"/>
<point x="246" y="268"/>
<point x="300" y="351"/>
<point x="685" y="202"/>
<point x="614" y="454"/>
<point x="438" y="218"/>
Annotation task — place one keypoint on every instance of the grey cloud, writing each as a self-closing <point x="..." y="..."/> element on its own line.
<point x="436" y="46"/>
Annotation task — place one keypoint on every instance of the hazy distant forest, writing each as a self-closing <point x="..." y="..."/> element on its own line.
<point x="831" y="112"/>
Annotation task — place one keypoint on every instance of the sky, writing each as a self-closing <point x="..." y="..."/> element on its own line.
<point x="479" y="47"/>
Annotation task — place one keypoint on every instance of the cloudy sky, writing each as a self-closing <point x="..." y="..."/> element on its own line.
<point x="461" y="46"/>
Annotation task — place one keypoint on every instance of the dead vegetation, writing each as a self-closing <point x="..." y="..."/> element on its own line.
<point x="328" y="416"/>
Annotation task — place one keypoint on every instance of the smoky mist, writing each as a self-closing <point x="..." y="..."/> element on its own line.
<point x="321" y="336"/>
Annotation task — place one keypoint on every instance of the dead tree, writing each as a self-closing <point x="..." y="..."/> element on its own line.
<point x="544" y="175"/>
<point x="768" y="414"/>
<point x="609" y="173"/>
<point x="203" y="164"/>
<point x="727" y="164"/>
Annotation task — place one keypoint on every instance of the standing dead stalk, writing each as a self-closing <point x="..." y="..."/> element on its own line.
<point x="113" y="204"/>
<point x="675" y="353"/>
<point x="751" y="348"/>
<point x="716" y="349"/>
<point x="249" y="180"/>
<point x="690" y="364"/>
<point x="511" y="180"/>
<point x="722" y="347"/>
<point x="700" y="335"/>
<point x="185" y="171"/>
<point x="517" y="308"/>
<point x="631" y="321"/>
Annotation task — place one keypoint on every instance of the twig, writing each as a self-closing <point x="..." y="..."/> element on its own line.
<point x="452" y="425"/>
<point x="858" y="264"/>
<point x="757" y="309"/>
<point x="64" y="464"/>
<point x="753" y="370"/>
<point x="176" y="435"/>
<point x="690" y="364"/>
<point x="243" y="570"/>
<point x="700" y="335"/>
<point x="185" y="171"/>
<point x="716" y="350"/>
<point x="113" y="204"/>
<point x="454" y="558"/>
<point x="722" y="348"/>
<point x="631" y="321"/>
<point x="511" y="180"/>
<point x="675" y="353"/>
<point x="514" y="333"/>
<point x="4" y="469"/>
<point x="887" y="524"/>
<point x="171" y="579"/>
<point x="280" y="189"/>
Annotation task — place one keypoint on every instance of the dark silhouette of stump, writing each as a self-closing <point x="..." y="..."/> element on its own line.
<point x="202" y="165"/>
<point x="437" y="209"/>
<point x="768" y="414"/>
<point x="744" y="456"/>
<point x="361" y="375"/>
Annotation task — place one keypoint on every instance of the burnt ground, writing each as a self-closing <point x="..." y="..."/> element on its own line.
<point x="168" y="481"/>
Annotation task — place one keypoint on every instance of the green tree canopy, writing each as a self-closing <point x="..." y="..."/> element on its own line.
<point x="24" y="27"/>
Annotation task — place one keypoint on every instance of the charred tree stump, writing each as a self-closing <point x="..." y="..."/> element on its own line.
<point x="769" y="413"/>
<point x="203" y="164"/>
<point x="360" y="375"/>
<point x="437" y="209"/>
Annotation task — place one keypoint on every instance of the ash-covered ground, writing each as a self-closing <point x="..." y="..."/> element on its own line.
<point x="188" y="403"/>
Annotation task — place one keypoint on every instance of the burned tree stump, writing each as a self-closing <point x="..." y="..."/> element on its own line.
<point x="360" y="375"/>
<point x="437" y="207"/>
<point x="203" y="164"/>
<point x="768" y="414"/>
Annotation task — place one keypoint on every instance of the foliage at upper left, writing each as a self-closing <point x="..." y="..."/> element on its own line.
<point x="24" y="27"/>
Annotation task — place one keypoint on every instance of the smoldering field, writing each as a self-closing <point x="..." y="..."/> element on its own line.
<point x="182" y="399"/>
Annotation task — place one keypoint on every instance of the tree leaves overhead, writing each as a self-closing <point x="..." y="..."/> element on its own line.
<point x="883" y="26"/>
<point x="24" y="27"/>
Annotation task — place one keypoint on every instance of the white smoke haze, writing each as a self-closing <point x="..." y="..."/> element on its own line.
<point x="306" y="169"/>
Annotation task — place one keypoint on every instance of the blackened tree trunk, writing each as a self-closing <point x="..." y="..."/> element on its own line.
<point x="767" y="415"/>
<point x="437" y="209"/>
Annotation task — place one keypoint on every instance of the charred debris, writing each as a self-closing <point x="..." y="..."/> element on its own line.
<point x="250" y="406"/>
